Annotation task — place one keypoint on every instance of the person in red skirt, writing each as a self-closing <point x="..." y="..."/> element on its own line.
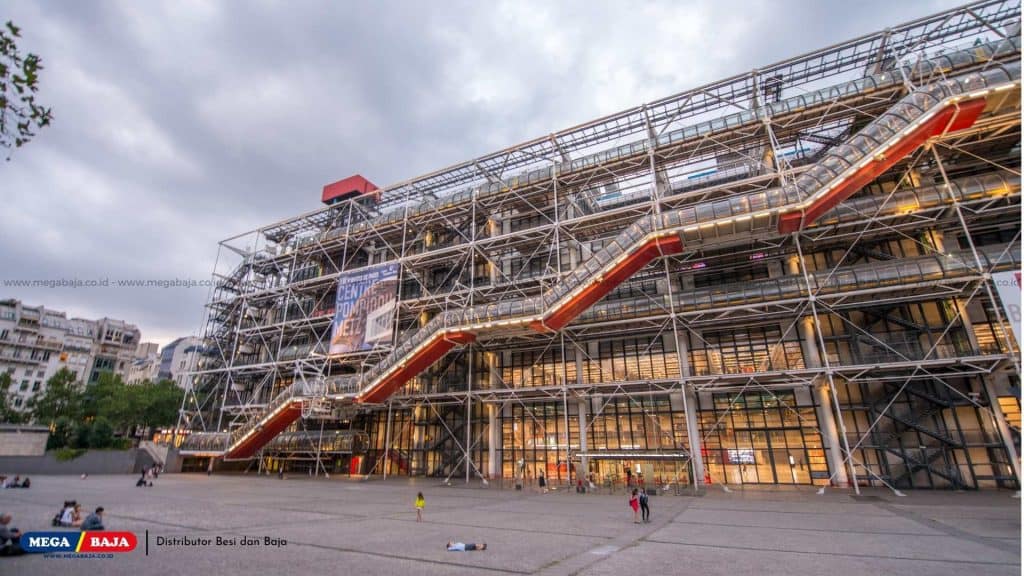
<point x="634" y="503"/>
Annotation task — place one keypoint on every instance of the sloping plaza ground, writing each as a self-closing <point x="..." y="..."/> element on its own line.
<point x="352" y="527"/>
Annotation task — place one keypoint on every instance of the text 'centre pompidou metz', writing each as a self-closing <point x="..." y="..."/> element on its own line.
<point x="805" y="274"/>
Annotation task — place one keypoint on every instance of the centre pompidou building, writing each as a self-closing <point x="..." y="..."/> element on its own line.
<point x="805" y="274"/>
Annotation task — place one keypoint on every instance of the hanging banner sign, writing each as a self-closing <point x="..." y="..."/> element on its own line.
<point x="1008" y="286"/>
<point x="364" y="308"/>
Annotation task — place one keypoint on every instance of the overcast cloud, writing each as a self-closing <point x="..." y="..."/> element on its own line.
<point x="179" y="124"/>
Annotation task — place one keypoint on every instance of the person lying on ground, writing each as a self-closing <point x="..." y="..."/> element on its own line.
<point x="460" y="547"/>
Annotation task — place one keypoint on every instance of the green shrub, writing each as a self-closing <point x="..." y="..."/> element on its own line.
<point x="65" y="454"/>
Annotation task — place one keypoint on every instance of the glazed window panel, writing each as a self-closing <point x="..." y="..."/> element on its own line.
<point x="745" y="446"/>
<point x="745" y="351"/>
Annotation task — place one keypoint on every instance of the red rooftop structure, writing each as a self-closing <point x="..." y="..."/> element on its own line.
<point x="350" y="187"/>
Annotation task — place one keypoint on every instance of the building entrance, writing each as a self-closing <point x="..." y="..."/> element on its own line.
<point x="616" y="471"/>
<point x="762" y="439"/>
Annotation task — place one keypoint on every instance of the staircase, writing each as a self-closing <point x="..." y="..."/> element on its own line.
<point x="914" y="454"/>
<point x="911" y="464"/>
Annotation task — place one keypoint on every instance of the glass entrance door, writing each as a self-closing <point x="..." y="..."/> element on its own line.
<point x="762" y="439"/>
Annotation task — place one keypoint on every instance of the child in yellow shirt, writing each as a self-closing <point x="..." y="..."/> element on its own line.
<point x="420" y="503"/>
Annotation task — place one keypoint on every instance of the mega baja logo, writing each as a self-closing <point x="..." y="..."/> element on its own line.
<point x="82" y="542"/>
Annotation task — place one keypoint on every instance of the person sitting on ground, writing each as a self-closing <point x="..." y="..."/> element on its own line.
<point x="59" y="516"/>
<point x="72" y="516"/>
<point x="26" y="483"/>
<point x="67" y="513"/>
<point x="460" y="547"/>
<point x="94" y="521"/>
<point x="12" y="482"/>
<point x="10" y="537"/>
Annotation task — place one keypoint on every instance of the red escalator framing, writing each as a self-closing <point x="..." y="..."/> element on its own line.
<point x="955" y="116"/>
<point x="435" y="348"/>
<point x="559" y="317"/>
<point x="272" y="426"/>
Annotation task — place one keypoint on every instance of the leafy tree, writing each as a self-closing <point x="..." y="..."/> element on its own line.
<point x="110" y="398"/>
<point x="160" y="404"/>
<point x="89" y="418"/>
<point x="20" y="115"/>
<point x="63" y="433"/>
<point x="82" y="431"/>
<point x="128" y="406"/>
<point x="101" y="434"/>
<point x="8" y="413"/>
<point x="62" y="398"/>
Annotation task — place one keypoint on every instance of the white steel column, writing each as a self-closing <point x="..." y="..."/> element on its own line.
<point x="417" y="457"/>
<point x="387" y="442"/>
<point x="693" y="434"/>
<point x="581" y="409"/>
<point x="822" y="399"/>
<point x="494" y="423"/>
<point x="469" y="412"/>
<point x="689" y="395"/>
<point x="493" y="438"/>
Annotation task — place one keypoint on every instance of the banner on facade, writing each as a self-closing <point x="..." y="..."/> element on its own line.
<point x="364" y="308"/>
<point x="1008" y="286"/>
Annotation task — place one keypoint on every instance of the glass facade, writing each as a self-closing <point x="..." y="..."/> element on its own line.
<point x="762" y="438"/>
<point x="930" y="437"/>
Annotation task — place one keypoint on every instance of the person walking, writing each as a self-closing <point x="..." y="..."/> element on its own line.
<point x="634" y="503"/>
<point x="420" y="503"/>
<point x="542" y="482"/>
<point x="644" y="505"/>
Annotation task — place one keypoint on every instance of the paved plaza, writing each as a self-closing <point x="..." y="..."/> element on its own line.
<point x="352" y="527"/>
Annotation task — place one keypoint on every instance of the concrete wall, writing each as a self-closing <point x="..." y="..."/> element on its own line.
<point x="23" y="440"/>
<point x="92" y="462"/>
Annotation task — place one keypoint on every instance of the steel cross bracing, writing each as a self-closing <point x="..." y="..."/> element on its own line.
<point x="322" y="320"/>
<point x="791" y="207"/>
<point x="562" y="219"/>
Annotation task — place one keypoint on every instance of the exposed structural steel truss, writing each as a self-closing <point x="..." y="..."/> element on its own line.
<point x="847" y="206"/>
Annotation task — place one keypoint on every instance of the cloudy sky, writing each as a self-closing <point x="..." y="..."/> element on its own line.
<point x="179" y="124"/>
